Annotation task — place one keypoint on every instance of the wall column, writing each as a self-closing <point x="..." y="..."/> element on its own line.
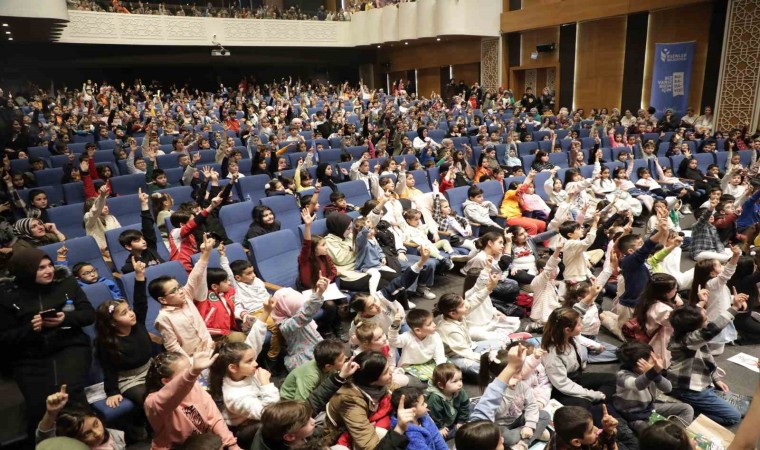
<point x="490" y="63"/>
<point x="738" y="99"/>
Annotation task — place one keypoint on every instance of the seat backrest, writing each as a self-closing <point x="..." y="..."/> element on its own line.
<point x="234" y="252"/>
<point x="493" y="191"/>
<point x="421" y="180"/>
<point x="704" y="160"/>
<point x="558" y="159"/>
<point x="275" y="257"/>
<point x="68" y="219"/>
<point x="81" y="249"/>
<point x="73" y="192"/>
<point x="126" y="208"/>
<point x="356" y="192"/>
<point x="456" y="196"/>
<point x="526" y="148"/>
<point x="97" y="293"/>
<point x="286" y="210"/>
<point x="236" y="218"/>
<point x="128" y="184"/>
<point x="318" y="228"/>
<point x="180" y="194"/>
<point x="174" y="269"/>
<point x="168" y="161"/>
<point x="253" y="185"/>
<point x="434" y="176"/>
<point x="539" y="180"/>
<point x="49" y="177"/>
<point x="527" y="162"/>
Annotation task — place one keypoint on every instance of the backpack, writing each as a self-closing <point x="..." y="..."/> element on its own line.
<point x="632" y="332"/>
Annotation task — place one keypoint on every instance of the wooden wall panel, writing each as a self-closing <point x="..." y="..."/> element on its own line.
<point x="428" y="80"/>
<point x="529" y="40"/>
<point x="546" y="13"/>
<point x="599" y="63"/>
<point x="430" y="54"/>
<point x="692" y="25"/>
<point x="470" y="73"/>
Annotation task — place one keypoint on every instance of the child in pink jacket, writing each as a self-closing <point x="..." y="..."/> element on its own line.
<point x="177" y="407"/>
<point x="179" y="322"/>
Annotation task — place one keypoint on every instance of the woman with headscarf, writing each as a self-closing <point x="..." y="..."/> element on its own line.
<point x="341" y="248"/>
<point x="263" y="222"/>
<point x="46" y="347"/>
<point x="34" y="233"/>
<point x="425" y="147"/>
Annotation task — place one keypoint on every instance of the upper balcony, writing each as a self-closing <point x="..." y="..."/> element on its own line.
<point x="404" y="22"/>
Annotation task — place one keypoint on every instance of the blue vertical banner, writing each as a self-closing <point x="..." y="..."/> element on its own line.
<point x="671" y="77"/>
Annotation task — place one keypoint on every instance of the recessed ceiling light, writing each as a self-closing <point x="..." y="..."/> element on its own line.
<point x="406" y="43"/>
<point x="437" y="39"/>
<point x="378" y="46"/>
<point x="5" y="24"/>
<point x="7" y="32"/>
<point x="10" y="39"/>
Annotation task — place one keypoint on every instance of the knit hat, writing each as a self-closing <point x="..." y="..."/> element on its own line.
<point x="338" y="223"/>
<point x="24" y="264"/>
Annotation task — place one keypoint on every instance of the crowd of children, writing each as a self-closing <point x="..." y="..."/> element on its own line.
<point x="196" y="381"/>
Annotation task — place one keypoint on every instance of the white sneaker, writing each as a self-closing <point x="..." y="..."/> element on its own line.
<point x="411" y="305"/>
<point x="460" y="258"/>
<point x="448" y="264"/>
<point x="686" y="210"/>
<point x="424" y="291"/>
<point x="463" y="272"/>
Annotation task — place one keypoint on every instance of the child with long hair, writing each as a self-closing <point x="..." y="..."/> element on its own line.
<point x="294" y="314"/>
<point x="545" y="287"/>
<point x="496" y="248"/>
<point x="76" y="422"/>
<point x="509" y="402"/>
<point x="459" y="346"/>
<point x="638" y="381"/>
<point x="123" y="345"/>
<point x="448" y="403"/>
<point x="161" y="204"/>
<point x="652" y="313"/>
<point x="244" y="388"/>
<point x="525" y="253"/>
<point x="565" y="360"/>
<point x="710" y="274"/>
<point x="693" y="371"/>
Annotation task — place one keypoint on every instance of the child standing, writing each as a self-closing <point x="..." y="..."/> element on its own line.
<point x="638" y="380"/>
<point x="448" y="403"/>
<point x="177" y="406"/>
<point x="545" y="287"/>
<point x="422" y="348"/>
<point x="710" y="274"/>
<point x="97" y="219"/>
<point x="705" y="240"/>
<point x="178" y="321"/>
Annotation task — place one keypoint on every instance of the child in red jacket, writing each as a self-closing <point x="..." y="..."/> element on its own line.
<point x="218" y="309"/>
<point x="182" y="244"/>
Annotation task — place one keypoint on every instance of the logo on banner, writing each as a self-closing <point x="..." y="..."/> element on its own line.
<point x="666" y="56"/>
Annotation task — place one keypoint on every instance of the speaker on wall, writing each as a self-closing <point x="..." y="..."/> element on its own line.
<point x="545" y="48"/>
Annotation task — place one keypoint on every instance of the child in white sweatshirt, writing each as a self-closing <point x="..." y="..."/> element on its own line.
<point x="452" y="309"/>
<point x="243" y="387"/>
<point x="250" y="296"/>
<point x="421" y="348"/>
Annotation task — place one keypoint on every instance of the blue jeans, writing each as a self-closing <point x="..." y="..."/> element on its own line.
<point x="709" y="404"/>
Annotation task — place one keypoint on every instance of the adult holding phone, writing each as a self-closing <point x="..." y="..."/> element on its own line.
<point x="45" y="349"/>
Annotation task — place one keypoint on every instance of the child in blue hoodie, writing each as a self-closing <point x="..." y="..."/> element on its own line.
<point x="86" y="273"/>
<point x="421" y="432"/>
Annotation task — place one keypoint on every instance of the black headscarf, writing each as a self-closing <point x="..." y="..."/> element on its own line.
<point x="338" y="223"/>
<point x="24" y="264"/>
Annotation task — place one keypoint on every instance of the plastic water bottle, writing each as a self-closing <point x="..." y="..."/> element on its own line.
<point x="68" y="307"/>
